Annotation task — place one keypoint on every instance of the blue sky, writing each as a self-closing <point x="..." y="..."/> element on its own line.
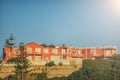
<point x="81" y="23"/>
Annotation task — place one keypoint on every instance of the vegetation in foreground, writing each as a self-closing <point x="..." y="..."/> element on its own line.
<point x="98" y="69"/>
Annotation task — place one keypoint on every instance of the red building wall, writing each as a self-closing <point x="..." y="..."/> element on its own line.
<point x="37" y="52"/>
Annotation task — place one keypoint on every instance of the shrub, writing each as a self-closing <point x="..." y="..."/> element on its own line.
<point x="60" y="64"/>
<point x="50" y="64"/>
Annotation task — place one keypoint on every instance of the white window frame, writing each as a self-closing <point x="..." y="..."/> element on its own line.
<point x="108" y="52"/>
<point x="63" y="51"/>
<point x="55" y="51"/>
<point x="79" y="52"/>
<point x="74" y="51"/>
<point x="37" y="58"/>
<point x="46" y="50"/>
<point x="68" y="50"/>
<point x="55" y="58"/>
<point x="38" y="50"/>
<point x="93" y="52"/>
<point x="29" y="50"/>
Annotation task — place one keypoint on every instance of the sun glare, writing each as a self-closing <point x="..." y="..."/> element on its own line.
<point x="116" y="4"/>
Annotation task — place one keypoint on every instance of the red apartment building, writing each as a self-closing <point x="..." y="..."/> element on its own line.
<point x="37" y="53"/>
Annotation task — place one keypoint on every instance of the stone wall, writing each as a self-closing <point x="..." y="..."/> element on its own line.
<point x="6" y="70"/>
<point x="54" y="71"/>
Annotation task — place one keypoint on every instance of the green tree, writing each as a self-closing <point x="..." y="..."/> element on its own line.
<point x="44" y="45"/>
<point x="92" y="70"/>
<point x="115" y="67"/>
<point x="13" y="60"/>
<point x="1" y="56"/>
<point x="22" y="68"/>
<point x="42" y="76"/>
<point x="22" y="65"/>
<point x="59" y="78"/>
<point x="51" y="46"/>
<point x="116" y="57"/>
<point x="10" y="77"/>
<point x="9" y="42"/>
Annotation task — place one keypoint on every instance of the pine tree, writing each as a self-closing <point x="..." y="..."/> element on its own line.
<point x="22" y="65"/>
<point x="9" y="42"/>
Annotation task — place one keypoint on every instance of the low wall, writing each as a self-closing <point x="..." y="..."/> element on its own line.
<point x="65" y="62"/>
<point x="6" y="70"/>
<point x="54" y="71"/>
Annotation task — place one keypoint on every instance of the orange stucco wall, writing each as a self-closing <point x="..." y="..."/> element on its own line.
<point x="70" y="53"/>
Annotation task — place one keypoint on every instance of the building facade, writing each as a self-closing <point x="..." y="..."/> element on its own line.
<point x="37" y="52"/>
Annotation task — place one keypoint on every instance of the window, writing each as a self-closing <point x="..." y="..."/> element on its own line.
<point x="37" y="58"/>
<point x="108" y="52"/>
<point x="45" y="50"/>
<point x="55" y="57"/>
<point x="63" y="51"/>
<point x="68" y="51"/>
<point x="55" y="51"/>
<point x="93" y="52"/>
<point x="79" y="52"/>
<point x="38" y="50"/>
<point x="74" y="51"/>
<point x="64" y="57"/>
<point x="29" y="50"/>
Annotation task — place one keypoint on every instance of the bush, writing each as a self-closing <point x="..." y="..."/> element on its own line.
<point x="42" y="76"/>
<point x="60" y="64"/>
<point x="50" y="64"/>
